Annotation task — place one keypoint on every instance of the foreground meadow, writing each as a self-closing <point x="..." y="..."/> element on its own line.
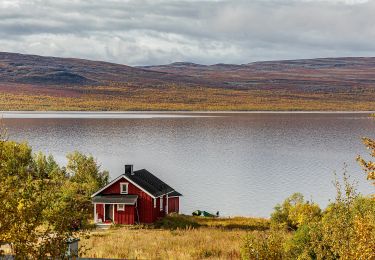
<point x="176" y="237"/>
<point x="165" y="244"/>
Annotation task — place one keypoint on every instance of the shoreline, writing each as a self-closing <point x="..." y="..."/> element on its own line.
<point x="190" y="112"/>
<point x="155" y="114"/>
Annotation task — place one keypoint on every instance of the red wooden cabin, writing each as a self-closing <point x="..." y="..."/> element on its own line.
<point x="134" y="197"/>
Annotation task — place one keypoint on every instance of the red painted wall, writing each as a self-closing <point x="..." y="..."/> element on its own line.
<point x="125" y="217"/>
<point x="145" y="203"/>
<point x="174" y="204"/>
<point x="100" y="211"/>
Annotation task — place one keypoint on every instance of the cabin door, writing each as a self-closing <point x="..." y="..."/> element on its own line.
<point x="108" y="215"/>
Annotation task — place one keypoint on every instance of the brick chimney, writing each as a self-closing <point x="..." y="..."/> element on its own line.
<point x="129" y="169"/>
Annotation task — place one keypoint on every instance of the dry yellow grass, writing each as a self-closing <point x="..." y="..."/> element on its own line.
<point x="235" y="223"/>
<point x="178" y="98"/>
<point x="202" y="243"/>
<point x="212" y="238"/>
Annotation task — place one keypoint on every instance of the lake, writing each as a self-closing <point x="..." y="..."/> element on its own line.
<point x="235" y="163"/>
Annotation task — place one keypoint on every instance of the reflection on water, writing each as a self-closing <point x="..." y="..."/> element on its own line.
<point x="238" y="164"/>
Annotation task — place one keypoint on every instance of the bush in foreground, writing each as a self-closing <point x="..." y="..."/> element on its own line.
<point x="264" y="245"/>
<point x="43" y="203"/>
<point x="294" y="212"/>
<point x="344" y="230"/>
<point x="175" y="221"/>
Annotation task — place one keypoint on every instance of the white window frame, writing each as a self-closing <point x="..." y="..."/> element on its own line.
<point x="120" y="207"/>
<point x="122" y="184"/>
<point x="161" y="203"/>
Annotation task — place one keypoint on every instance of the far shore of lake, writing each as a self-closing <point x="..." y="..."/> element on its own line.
<point x="152" y="114"/>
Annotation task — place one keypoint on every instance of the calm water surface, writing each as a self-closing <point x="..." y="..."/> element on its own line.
<point x="235" y="163"/>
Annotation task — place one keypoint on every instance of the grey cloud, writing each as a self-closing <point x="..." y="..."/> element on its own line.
<point x="138" y="32"/>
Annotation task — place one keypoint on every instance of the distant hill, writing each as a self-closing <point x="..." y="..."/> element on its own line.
<point x="30" y="82"/>
<point x="306" y="75"/>
<point x="32" y="69"/>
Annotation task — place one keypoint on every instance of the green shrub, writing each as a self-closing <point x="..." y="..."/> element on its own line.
<point x="346" y="229"/>
<point x="298" y="244"/>
<point x="295" y="211"/>
<point x="175" y="221"/>
<point x="264" y="245"/>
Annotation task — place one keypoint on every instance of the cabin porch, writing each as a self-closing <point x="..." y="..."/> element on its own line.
<point x="115" y="209"/>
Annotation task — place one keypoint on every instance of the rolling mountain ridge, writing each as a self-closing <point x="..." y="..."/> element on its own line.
<point x="309" y="84"/>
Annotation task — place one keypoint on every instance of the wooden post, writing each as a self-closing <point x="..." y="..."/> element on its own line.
<point x="113" y="213"/>
<point x="104" y="212"/>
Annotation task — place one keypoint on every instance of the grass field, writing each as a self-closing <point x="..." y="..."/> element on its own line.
<point x="198" y="238"/>
<point x="178" y="98"/>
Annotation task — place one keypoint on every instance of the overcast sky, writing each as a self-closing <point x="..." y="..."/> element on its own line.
<point x="145" y="32"/>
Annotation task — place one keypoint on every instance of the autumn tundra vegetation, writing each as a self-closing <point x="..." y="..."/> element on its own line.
<point x="45" y="204"/>
<point x="37" y="83"/>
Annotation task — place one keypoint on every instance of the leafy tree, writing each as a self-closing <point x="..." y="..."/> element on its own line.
<point x="30" y="204"/>
<point x="295" y="211"/>
<point x="42" y="204"/>
<point x="344" y="230"/>
<point x="85" y="178"/>
<point x="48" y="168"/>
<point x="368" y="166"/>
<point x="84" y="170"/>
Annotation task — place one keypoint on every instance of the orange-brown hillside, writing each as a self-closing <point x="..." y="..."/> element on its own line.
<point x="29" y="82"/>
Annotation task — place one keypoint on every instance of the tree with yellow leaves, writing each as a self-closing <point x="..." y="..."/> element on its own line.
<point x="43" y="205"/>
<point x="368" y="166"/>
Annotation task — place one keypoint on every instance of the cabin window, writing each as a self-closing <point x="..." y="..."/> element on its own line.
<point x="161" y="203"/>
<point x="120" y="207"/>
<point x="124" y="187"/>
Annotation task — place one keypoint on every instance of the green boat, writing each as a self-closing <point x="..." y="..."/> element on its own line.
<point x="203" y="213"/>
<point x="197" y="213"/>
<point x="207" y="214"/>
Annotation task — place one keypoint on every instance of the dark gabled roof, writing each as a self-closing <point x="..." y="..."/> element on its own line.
<point x="149" y="182"/>
<point x="174" y="194"/>
<point x="144" y="180"/>
<point x="121" y="199"/>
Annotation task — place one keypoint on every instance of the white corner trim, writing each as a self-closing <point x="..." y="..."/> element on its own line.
<point x="113" y="213"/>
